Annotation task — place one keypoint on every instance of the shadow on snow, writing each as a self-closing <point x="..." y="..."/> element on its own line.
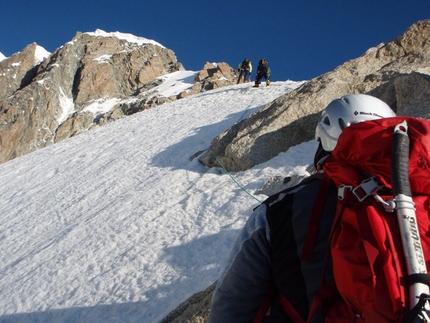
<point x="195" y="276"/>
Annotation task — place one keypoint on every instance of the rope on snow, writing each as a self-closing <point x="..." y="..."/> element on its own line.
<point x="219" y="162"/>
<point x="228" y="173"/>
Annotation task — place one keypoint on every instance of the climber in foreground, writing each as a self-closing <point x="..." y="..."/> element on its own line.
<point x="272" y="274"/>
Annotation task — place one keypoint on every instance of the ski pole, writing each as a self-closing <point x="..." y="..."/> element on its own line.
<point x="405" y="209"/>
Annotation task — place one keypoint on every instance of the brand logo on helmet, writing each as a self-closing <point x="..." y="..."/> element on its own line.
<point x="367" y="114"/>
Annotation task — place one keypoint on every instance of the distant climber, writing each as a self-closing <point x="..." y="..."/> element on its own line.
<point x="263" y="72"/>
<point x="245" y="69"/>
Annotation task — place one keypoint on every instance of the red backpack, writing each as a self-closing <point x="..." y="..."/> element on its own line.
<point x="380" y="247"/>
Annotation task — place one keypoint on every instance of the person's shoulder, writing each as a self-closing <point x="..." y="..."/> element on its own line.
<point x="309" y="183"/>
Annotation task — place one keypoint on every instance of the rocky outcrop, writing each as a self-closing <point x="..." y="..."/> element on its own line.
<point x="212" y="76"/>
<point x="397" y="72"/>
<point x="215" y="75"/>
<point x="94" y="79"/>
<point x="194" y="310"/>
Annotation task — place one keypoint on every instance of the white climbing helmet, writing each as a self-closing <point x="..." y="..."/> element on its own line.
<point x="343" y="112"/>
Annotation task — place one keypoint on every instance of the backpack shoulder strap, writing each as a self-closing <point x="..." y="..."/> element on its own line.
<point x="311" y="233"/>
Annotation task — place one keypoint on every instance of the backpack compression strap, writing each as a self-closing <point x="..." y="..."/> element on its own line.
<point x="290" y="310"/>
<point x="265" y="306"/>
<point x="286" y="305"/>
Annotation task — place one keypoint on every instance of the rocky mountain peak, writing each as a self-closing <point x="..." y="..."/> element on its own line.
<point x="17" y="71"/>
<point x="93" y="79"/>
<point x="102" y="65"/>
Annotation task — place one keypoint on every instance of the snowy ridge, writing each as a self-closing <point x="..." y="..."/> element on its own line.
<point x="118" y="224"/>
<point x="40" y="55"/>
<point x="173" y="84"/>
<point x="128" y="37"/>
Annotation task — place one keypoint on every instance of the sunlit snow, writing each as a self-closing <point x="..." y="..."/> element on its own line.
<point x="67" y="106"/>
<point x="40" y="55"/>
<point x="121" y="224"/>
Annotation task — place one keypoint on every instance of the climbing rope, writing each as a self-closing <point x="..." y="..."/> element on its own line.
<point x="246" y="110"/>
<point x="219" y="162"/>
<point x="234" y="180"/>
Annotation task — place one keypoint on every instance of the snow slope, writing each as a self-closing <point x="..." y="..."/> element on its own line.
<point x="118" y="224"/>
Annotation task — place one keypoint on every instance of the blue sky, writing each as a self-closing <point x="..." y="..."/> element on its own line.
<point x="300" y="39"/>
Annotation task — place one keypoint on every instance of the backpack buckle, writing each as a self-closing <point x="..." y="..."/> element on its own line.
<point x="367" y="188"/>
<point x="341" y="191"/>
